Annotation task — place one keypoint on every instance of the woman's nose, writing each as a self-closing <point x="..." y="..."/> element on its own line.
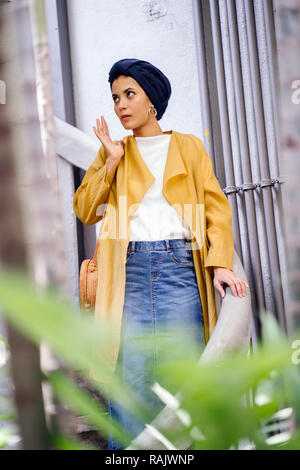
<point x="122" y="103"/>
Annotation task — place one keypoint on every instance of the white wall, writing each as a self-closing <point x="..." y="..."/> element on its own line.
<point x="104" y="31"/>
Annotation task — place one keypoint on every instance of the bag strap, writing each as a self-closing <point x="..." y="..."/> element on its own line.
<point x="97" y="244"/>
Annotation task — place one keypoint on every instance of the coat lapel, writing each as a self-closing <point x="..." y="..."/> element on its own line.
<point x="138" y="179"/>
<point x="174" y="163"/>
<point x="139" y="176"/>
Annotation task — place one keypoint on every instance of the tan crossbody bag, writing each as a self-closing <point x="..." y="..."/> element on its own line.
<point x="88" y="278"/>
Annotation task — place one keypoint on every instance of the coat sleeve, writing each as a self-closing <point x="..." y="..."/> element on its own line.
<point x="93" y="191"/>
<point x="218" y="217"/>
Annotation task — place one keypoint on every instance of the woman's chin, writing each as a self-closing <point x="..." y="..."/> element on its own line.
<point x="126" y="125"/>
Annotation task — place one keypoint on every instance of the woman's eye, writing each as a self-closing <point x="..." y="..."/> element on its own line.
<point x="115" y="97"/>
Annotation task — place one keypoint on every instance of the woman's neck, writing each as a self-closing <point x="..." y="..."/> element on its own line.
<point x="148" y="131"/>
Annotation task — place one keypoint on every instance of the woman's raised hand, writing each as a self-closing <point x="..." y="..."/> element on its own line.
<point x="113" y="151"/>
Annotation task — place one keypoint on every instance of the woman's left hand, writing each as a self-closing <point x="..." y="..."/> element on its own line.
<point x="224" y="275"/>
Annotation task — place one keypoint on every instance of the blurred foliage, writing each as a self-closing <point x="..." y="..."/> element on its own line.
<point x="220" y="404"/>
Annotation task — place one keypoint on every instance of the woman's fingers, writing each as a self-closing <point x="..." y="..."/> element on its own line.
<point x="102" y="125"/>
<point x="239" y="287"/>
<point x="99" y="128"/>
<point x="219" y="287"/>
<point x="98" y="135"/>
<point x="105" y="127"/>
<point x="233" y="287"/>
<point x="243" y="286"/>
<point x="96" y="132"/>
<point x="102" y="131"/>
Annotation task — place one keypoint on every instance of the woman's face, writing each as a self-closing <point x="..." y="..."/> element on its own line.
<point x="130" y="99"/>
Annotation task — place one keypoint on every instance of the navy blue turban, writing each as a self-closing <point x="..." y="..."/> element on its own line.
<point x="155" y="84"/>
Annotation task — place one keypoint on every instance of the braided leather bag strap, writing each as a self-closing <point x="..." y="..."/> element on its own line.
<point x="97" y="244"/>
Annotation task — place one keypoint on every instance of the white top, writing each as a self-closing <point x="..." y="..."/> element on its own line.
<point x="155" y="218"/>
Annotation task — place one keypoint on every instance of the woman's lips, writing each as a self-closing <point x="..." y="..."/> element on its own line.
<point x="126" y="117"/>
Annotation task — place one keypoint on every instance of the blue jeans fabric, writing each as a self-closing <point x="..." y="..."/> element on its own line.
<point x="162" y="301"/>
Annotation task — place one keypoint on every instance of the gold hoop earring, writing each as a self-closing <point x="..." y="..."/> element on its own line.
<point x="152" y="108"/>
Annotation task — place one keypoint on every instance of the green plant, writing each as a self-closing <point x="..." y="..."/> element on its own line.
<point x="213" y="406"/>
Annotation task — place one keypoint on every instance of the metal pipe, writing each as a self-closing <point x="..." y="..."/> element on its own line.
<point x="261" y="87"/>
<point x="243" y="157"/>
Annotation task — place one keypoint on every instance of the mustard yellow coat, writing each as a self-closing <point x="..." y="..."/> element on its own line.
<point x="191" y="187"/>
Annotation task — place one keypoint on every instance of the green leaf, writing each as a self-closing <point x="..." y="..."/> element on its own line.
<point x="81" y="402"/>
<point x="212" y="396"/>
<point x="42" y="315"/>
<point x="62" y="442"/>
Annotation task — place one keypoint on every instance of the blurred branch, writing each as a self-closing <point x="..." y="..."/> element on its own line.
<point x="25" y="355"/>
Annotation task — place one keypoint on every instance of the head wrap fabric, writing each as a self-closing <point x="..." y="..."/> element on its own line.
<point x="155" y="84"/>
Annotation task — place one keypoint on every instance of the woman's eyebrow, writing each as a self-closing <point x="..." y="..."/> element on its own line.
<point x="130" y="88"/>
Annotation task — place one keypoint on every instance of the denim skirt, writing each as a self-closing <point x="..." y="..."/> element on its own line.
<point x="162" y="305"/>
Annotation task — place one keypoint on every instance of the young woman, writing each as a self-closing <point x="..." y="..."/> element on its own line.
<point x="167" y="240"/>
